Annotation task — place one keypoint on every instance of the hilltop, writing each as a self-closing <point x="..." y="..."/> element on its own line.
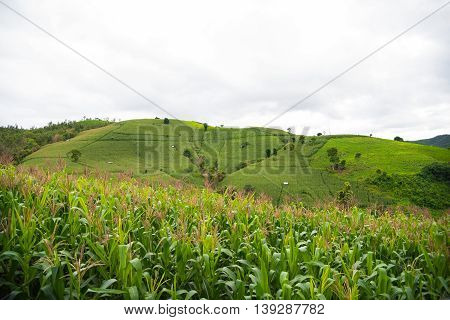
<point x="260" y="159"/>
<point x="442" y="141"/>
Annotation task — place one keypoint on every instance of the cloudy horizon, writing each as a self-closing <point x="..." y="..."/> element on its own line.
<point x="234" y="63"/>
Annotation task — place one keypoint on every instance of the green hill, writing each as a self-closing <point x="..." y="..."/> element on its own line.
<point x="256" y="159"/>
<point x="442" y="141"/>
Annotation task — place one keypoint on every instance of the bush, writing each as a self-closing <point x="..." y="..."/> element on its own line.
<point x="205" y="126"/>
<point x="332" y="152"/>
<point x="357" y="155"/>
<point x="345" y="195"/>
<point x="319" y="134"/>
<point x="397" y="138"/>
<point x="166" y="121"/>
<point x="241" y="165"/>
<point x="244" y="145"/>
<point x="301" y="139"/>
<point x="421" y="189"/>
<point x="268" y="153"/>
<point x="248" y="188"/>
<point x="437" y="172"/>
<point x="74" y="155"/>
<point x="187" y="153"/>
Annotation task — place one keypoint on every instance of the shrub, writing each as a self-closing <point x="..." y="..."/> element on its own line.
<point x="241" y="165"/>
<point x="357" y="155"/>
<point x="268" y="153"/>
<point x="274" y="151"/>
<point x="205" y="126"/>
<point x="437" y="172"/>
<point x="187" y="153"/>
<point x="345" y="195"/>
<point x="397" y="138"/>
<point x="332" y="152"/>
<point x="319" y="134"/>
<point x="166" y="121"/>
<point x="74" y="155"/>
<point x="248" y="188"/>
<point x="301" y="139"/>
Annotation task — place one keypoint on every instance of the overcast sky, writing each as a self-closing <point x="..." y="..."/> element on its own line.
<point x="238" y="63"/>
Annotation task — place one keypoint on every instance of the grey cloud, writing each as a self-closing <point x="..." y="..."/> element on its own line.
<point x="230" y="63"/>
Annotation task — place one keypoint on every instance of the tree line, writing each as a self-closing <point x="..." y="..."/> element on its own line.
<point x="17" y="143"/>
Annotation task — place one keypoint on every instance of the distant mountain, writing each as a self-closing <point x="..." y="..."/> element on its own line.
<point x="442" y="141"/>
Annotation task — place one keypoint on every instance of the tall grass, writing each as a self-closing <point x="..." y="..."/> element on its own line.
<point x="85" y="237"/>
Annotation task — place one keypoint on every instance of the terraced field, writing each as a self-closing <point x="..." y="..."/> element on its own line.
<point x="232" y="157"/>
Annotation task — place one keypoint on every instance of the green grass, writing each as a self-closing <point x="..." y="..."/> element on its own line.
<point x="147" y="147"/>
<point x="386" y="155"/>
<point x="66" y="236"/>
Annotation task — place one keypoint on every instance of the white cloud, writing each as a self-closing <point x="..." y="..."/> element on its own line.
<point x="235" y="63"/>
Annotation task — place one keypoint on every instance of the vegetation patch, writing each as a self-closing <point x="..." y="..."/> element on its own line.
<point x="67" y="236"/>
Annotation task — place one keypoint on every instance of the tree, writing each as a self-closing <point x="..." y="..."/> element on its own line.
<point x="332" y="152"/>
<point x="397" y="138"/>
<point x="205" y="125"/>
<point x="166" y="121"/>
<point x="319" y="134"/>
<point x="74" y="155"/>
<point x="275" y="152"/>
<point x="345" y="195"/>
<point x="334" y="158"/>
<point x="187" y="153"/>
<point x="268" y="152"/>
<point x="342" y="165"/>
<point x="301" y="139"/>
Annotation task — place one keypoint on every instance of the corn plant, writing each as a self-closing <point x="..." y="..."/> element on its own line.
<point x="65" y="236"/>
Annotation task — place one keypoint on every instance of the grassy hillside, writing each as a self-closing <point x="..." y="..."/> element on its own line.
<point x="230" y="157"/>
<point x="17" y="143"/>
<point x="442" y="141"/>
<point x="90" y="237"/>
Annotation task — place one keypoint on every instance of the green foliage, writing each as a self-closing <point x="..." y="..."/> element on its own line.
<point x="241" y="165"/>
<point x="248" y="188"/>
<point x="437" y="172"/>
<point x="332" y="152"/>
<point x="397" y="138"/>
<point x="187" y="153"/>
<point x="301" y="139"/>
<point x="118" y="147"/>
<point x="358" y="155"/>
<point x="345" y="196"/>
<point x="82" y="237"/>
<point x="74" y="155"/>
<point x="268" y="153"/>
<point x="336" y="162"/>
<point x="18" y="143"/>
<point x="205" y="126"/>
<point x="166" y="121"/>
<point x="442" y="141"/>
<point x="421" y="189"/>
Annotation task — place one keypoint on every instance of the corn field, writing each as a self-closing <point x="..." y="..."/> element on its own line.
<point x="93" y="236"/>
